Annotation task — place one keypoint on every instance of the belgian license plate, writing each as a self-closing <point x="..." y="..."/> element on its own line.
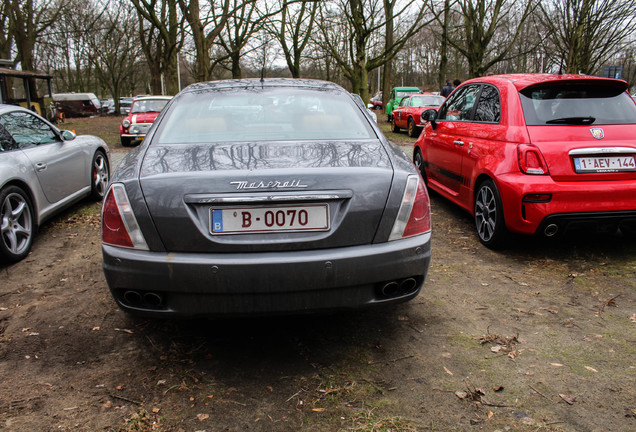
<point x="604" y="164"/>
<point x="237" y="220"/>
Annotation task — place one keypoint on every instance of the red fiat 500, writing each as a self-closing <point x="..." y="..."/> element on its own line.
<point x="534" y="153"/>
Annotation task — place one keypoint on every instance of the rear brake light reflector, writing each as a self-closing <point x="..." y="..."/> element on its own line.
<point x="531" y="160"/>
<point x="119" y="225"/>
<point x="414" y="215"/>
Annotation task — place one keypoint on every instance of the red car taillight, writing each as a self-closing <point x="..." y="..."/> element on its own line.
<point x="531" y="160"/>
<point x="119" y="225"/>
<point x="414" y="215"/>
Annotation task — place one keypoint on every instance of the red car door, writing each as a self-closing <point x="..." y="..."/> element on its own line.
<point x="448" y="141"/>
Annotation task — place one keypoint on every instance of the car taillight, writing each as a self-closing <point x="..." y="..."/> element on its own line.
<point x="414" y="215"/>
<point x="119" y="225"/>
<point x="531" y="160"/>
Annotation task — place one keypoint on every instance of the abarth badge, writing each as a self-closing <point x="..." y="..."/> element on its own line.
<point x="597" y="133"/>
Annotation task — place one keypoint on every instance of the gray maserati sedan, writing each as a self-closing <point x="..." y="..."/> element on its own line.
<point x="43" y="170"/>
<point x="255" y="197"/>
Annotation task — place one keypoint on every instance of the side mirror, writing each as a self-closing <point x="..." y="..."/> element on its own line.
<point x="68" y="135"/>
<point x="429" y="115"/>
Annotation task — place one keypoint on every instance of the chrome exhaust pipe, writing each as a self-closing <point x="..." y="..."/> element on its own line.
<point x="133" y="298"/>
<point x="407" y="286"/>
<point x="551" y="230"/>
<point x="153" y="299"/>
<point x="390" y="289"/>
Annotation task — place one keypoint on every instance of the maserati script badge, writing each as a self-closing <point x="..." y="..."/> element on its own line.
<point x="275" y="184"/>
<point x="597" y="133"/>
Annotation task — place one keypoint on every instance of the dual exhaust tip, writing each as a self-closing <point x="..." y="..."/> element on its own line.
<point x="399" y="288"/>
<point x="143" y="299"/>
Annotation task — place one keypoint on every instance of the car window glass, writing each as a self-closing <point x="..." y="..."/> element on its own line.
<point x="405" y="102"/>
<point x="6" y="141"/>
<point x="489" y="106"/>
<point x="274" y="114"/>
<point x="27" y="130"/>
<point x="577" y="103"/>
<point x="460" y="104"/>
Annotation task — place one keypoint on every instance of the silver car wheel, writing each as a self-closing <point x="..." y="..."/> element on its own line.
<point x="17" y="224"/>
<point x="486" y="213"/>
<point x="101" y="175"/>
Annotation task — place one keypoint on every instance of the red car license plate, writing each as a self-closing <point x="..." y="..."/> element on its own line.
<point x="237" y="220"/>
<point x="604" y="164"/>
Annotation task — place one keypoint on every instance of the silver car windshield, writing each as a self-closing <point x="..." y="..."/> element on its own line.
<point x="263" y="114"/>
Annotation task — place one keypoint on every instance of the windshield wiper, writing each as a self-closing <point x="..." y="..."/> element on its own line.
<point x="573" y="120"/>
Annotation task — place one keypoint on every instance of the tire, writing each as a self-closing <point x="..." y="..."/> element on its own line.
<point x="125" y="141"/>
<point x="413" y="130"/>
<point x="418" y="161"/>
<point x="394" y="127"/>
<point x="489" y="218"/>
<point x="100" y="176"/>
<point x="17" y="226"/>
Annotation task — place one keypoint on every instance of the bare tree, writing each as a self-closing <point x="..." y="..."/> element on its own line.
<point x="115" y="50"/>
<point x="488" y="31"/>
<point x="163" y="36"/>
<point x="587" y="32"/>
<point x="6" y="35"/>
<point x="349" y="34"/>
<point x="205" y="29"/>
<point x="28" y="21"/>
<point x="293" y="31"/>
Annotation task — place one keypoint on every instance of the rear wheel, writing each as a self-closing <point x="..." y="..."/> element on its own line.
<point x="413" y="130"/>
<point x="16" y="224"/>
<point x="394" y="127"/>
<point x="100" y="175"/>
<point x="418" y="161"/>
<point x="489" y="219"/>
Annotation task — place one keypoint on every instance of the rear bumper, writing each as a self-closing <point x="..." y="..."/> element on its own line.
<point x="591" y="204"/>
<point x="187" y="285"/>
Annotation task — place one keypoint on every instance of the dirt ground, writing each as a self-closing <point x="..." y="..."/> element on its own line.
<point x="538" y="337"/>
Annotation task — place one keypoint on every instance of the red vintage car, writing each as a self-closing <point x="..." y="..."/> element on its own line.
<point x="143" y="112"/>
<point x="535" y="153"/>
<point x="408" y="114"/>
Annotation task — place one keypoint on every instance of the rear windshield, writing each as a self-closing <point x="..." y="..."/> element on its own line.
<point x="576" y="104"/>
<point x="263" y="114"/>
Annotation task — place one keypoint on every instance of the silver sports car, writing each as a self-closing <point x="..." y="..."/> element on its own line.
<point x="262" y="197"/>
<point x="42" y="171"/>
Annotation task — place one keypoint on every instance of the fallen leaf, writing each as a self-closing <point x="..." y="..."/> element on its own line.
<point x="447" y="355"/>
<point x="591" y="369"/>
<point x="447" y="371"/>
<point x="202" y="417"/>
<point x="318" y="409"/>
<point x="95" y="328"/>
<point x="156" y="410"/>
<point x="490" y="414"/>
<point x="633" y="318"/>
<point x="124" y="330"/>
<point x="568" y="399"/>
<point x="461" y="394"/>
<point x="556" y="364"/>
<point x="498" y="388"/>
<point x="496" y="348"/>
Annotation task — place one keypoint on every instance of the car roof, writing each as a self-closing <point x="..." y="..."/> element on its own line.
<point x="141" y="98"/>
<point x="521" y="81"/>
<point x="267" y="82"/>
<point x="406" y="88"/>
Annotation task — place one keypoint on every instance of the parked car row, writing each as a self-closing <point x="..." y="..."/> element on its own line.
<point x="283" y="196"/>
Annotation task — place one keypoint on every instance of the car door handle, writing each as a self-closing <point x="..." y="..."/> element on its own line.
<point x="40" y="166"/>
<point x="458" y="142"/>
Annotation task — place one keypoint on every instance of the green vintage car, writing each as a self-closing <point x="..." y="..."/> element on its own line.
<point x="396" y="96"/>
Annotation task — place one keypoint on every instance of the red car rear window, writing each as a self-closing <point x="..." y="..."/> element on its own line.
<point x="577" y="104"/>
